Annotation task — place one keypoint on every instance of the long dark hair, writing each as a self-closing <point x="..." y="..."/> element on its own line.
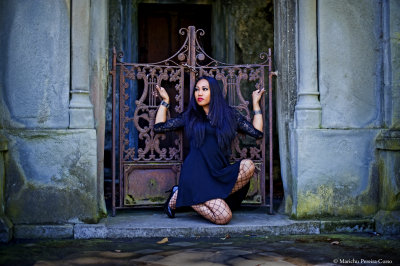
<point x="220" y="114"/>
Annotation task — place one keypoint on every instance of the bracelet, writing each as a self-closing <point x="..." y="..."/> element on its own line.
<point x="164" y="103"/>
<point x="257" y="112"/>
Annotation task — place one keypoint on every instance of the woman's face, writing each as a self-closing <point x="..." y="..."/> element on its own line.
<point x="202" y="93"/>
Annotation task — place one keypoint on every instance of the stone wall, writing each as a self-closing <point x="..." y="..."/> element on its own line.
<point x="336" y="173"/>
<point x="35" y="42"/>
<point x="253" y="29"/>
<point x="51" y="169"/>
<point x="388" y="141"/>
<point x="346" y="165"/>
<point x="334" y="170"/>
<point x="51" y="176"/>
<point x="350" y="66"/>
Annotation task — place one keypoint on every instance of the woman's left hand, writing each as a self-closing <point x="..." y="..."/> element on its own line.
<point x="257" y="94"/>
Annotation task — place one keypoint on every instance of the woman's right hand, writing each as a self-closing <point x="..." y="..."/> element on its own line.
<point x="163" y="93"/>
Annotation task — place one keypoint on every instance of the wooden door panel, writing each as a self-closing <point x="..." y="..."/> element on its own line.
<point x="159" y="26"/>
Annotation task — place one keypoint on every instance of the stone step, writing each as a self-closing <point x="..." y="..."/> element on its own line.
<point x="135" y="224"/>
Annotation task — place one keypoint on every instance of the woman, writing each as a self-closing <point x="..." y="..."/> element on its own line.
<point x="207" y="178"/>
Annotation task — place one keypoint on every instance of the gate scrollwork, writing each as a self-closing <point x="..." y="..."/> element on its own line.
<point x="146" y="109"/>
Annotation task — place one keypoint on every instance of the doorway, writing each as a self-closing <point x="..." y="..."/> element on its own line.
<point x="133" y="28"/>
<point x="161" y="22"/>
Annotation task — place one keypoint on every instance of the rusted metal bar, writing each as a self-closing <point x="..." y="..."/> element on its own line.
<point x="182" y="103"/>
<point x="113" y="72"/>
<point x="192" y="57"/>
<point x="262" y="186"/>
<point x="271" y="144"/>
<point x="121" y="136"/>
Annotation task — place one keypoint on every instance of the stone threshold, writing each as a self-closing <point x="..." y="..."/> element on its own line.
<point x="150" y="224"/>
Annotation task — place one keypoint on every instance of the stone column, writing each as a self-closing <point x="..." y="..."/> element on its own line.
<point x="285" y="22"/>
<point x="80" y="107"/>
<point x="387" y="220"/>
<point x="98" y="84"/>
<point x="391" y="64"/>
<point x="308" y="108"/>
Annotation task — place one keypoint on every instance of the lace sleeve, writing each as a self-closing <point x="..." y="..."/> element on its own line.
<point x="170" y="125"/>
<point x="246" y="127"/>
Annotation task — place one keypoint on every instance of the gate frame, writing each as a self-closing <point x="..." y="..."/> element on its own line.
<point x="194" y="53"/>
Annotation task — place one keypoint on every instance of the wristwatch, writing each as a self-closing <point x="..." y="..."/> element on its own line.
<point x="164" y="103"/>
<point x="256" y="112"/>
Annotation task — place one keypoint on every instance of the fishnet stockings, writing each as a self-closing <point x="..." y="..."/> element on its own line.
<point x="246" y="171"/>
<point x="216" y="210"/>
<point x="172" y="201"/>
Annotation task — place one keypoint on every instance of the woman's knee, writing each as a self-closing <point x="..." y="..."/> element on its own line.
<point x="223" y="218"/>
<point x="222" y="214"/>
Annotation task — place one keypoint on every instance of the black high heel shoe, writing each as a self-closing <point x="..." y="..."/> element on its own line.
<point x="170" y="212"/>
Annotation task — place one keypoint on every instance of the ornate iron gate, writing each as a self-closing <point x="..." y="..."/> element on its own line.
<point x="149" y="163"/>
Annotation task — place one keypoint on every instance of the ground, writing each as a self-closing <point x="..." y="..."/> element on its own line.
<point x="332" y="249"/>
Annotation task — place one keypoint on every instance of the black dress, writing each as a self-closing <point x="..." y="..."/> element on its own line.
<point x="206" y="172"/>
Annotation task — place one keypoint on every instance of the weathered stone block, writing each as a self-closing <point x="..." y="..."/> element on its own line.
<point x="52" y="176"/>
<point x="347" y="226"/>
<point x="391" y="63"/>
<point x="349" y="63"/>
<point x="307" y="118"/>
<point x="6" y="229"/>
<point x="81" y="118"/>
<point x="387" y="222"/>
<point x="388" y="144"/>
<point x="87" y="231"/>
<point x="335" y="173"/>
<point x="43" y="231"/>
<point x="35" y="80"/>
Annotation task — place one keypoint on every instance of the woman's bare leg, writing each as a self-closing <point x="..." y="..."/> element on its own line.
<point x="215" y="210"/>
<point x="246" y="171"/>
